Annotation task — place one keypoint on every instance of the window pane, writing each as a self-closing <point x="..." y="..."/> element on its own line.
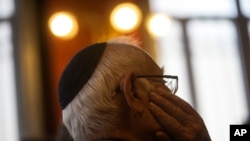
<point x="218" y="75"/>
<point x="171" y="56"/>
<point x="187" y="8"/>
<point x="8" y="111"/>
<point x="245" y="7"/>
<point x="6" y="8"/>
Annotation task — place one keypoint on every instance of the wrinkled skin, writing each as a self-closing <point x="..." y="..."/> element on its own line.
<point x="180" y="122"/>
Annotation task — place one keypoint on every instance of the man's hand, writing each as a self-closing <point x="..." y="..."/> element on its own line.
<point x="180" y="122"/>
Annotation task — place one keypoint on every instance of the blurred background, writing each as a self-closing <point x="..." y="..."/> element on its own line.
<point x="204" y="42"/>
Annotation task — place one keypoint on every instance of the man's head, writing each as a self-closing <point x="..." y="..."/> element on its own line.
<point x="112" y="101"/>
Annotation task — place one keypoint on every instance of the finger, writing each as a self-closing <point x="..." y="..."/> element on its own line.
<point x="186" y="107"/>
<point x="169" y="123"/>
<point x="194" y="129"/>
<point x="162" y="136"/>
<point x="169" y="107"/>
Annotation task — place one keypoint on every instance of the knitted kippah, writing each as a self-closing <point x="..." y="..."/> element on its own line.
<point x="78" y="72"/>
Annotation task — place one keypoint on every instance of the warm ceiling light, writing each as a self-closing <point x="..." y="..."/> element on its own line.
<point x="63" y="24"/>
<point x="158" y="25"/>
<point x="125" y="17"/>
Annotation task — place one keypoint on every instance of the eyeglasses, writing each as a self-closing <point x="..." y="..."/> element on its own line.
<point x="171" y="81"/>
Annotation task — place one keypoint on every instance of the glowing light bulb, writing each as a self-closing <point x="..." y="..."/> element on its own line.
<point x="63" y="25"/>
<point x="158" y="25"/>
<point x="125" y="17"/>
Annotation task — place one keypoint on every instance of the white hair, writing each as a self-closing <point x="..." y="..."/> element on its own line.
<point x="94" y="110"/>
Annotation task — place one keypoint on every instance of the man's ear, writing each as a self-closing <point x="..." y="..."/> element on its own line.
<point x="127" y="86"/>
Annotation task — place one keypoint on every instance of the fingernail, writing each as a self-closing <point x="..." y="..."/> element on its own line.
<point x="151" y="105"/>
<point x="164" y="91"/>
<point x="152" y="94"/>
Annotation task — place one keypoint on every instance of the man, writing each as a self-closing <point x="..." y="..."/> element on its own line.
<point x="115" y="91"/>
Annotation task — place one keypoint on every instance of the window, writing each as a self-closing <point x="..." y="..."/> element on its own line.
<point x="202" y="49"/>
<point x="245" y="6"/>
<point x="195" y="8"/>
<point x="171" y="56"/>
<point x="8" y="108"/>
